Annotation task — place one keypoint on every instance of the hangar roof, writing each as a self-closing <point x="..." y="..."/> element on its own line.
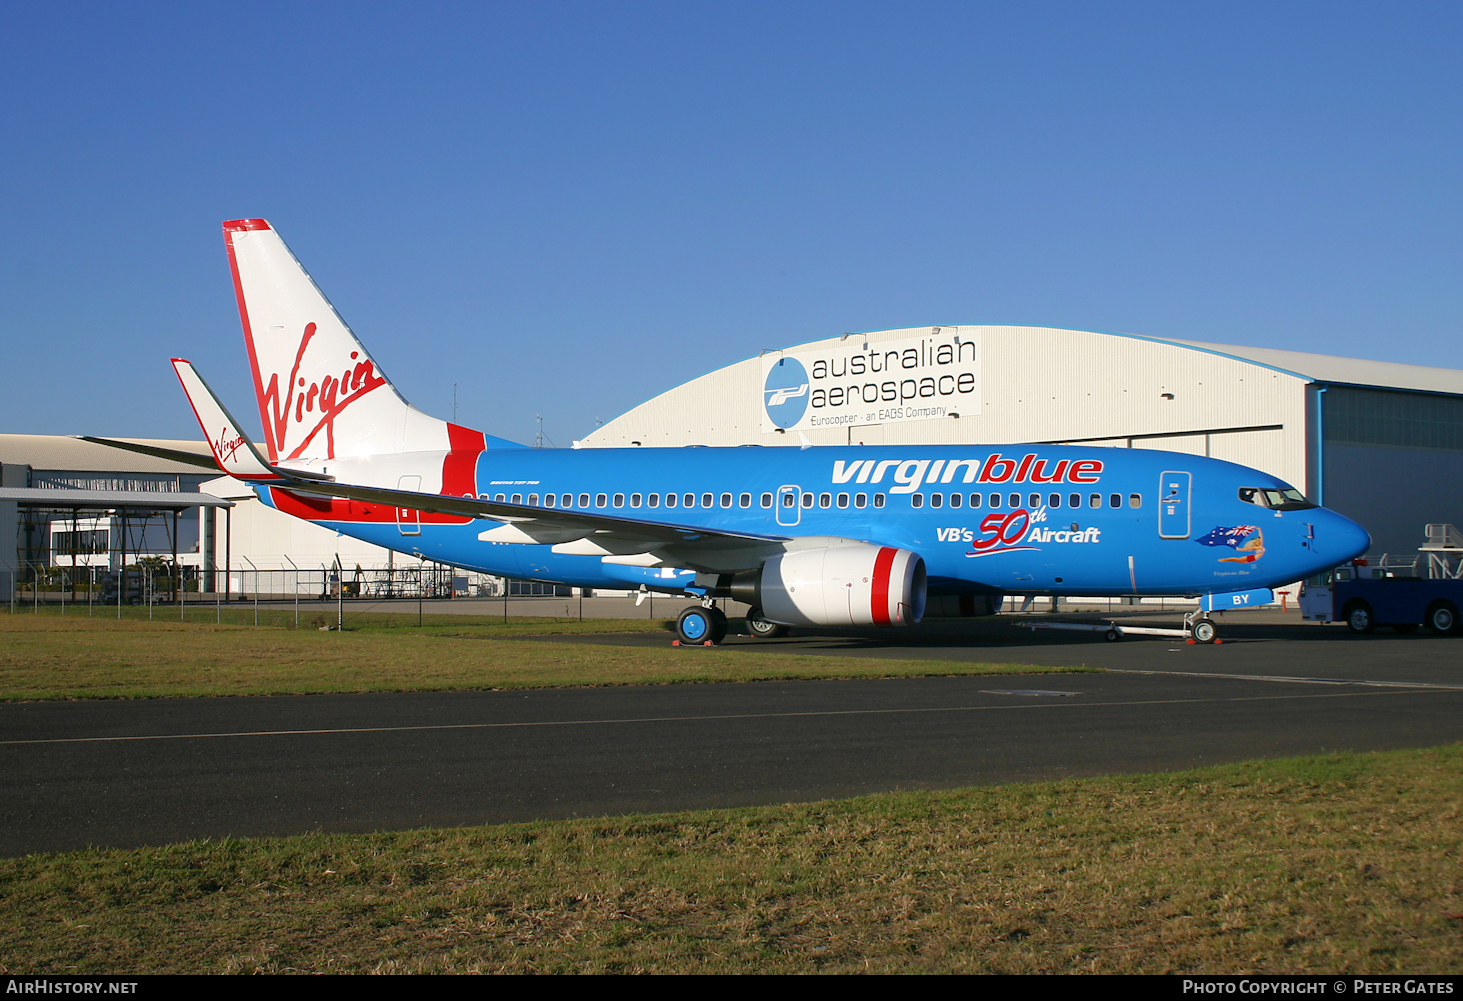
<point x="61" y="452"/>
<point x="1352" y="371"/>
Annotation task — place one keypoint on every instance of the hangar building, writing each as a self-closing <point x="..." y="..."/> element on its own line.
<point x="1380" y="442"/>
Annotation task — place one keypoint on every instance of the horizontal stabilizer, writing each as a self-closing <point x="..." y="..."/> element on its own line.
<point x="171" y="454"/>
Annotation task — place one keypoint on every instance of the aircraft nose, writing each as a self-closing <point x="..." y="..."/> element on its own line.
<point x="1341" y="539"/>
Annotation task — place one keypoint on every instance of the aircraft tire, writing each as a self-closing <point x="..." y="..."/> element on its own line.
<point x="697" y="625"/>
<point x="693" y="625"/>
<point x="718" y="624"/>
<point x="1442" y="618"/>
<point x="761" y="628"/>
<point x="1205" y="631"/>
<point x="1112" y="635"/>
<point x="1359" y="618"/>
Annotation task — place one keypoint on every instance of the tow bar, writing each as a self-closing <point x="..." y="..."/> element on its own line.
<point x="1198" y="628"/>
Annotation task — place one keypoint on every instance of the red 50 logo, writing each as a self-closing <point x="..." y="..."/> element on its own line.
<point x="1003" y="528"/>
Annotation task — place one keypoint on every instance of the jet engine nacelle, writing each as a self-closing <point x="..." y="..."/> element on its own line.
<point x="855" y="584"/>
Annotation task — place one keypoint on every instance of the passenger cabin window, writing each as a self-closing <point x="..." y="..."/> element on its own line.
<point x="955" y="500"/>
<point x="1094" y="500"/>
<point x="619" y="500"/>
<point x="825" y="500"/>
<point x="1055" y="500"/>
<point x="745" y="500"/>
<point x="766" y="500"/>
<point x="975" y="500"/>
<point x="599" y="500"/>
<point x="566" y="501"/>
<point x="1135" y="500"/>
<point x="670" y="500"/>
<point x="1034" y="500"/>
<point x="807" y="500"/>
<point x="937" y="500"/>
<point x="860" y="500"/>
<point x="635" y="500"/>
<point x="549" y="500"/>
<point x="499" y="498"/>
<point x="789" y="500"/>
<point x="1015" y="500"/>
<point x="706" y="500"/>
<point x="518" y="498"/>
<point x="995" y="500"/>
<point x="916" y="500"/>
<point x="1074" y="500"/>
<point x="584" y="500"/>
<point x="689" y="500"/>
<point x="726" y="500"/>
<point x="878" y="500"/>
<point x="533" y="500"/>
<point x="653" y="500"/>
<point x="1115" y="500"/>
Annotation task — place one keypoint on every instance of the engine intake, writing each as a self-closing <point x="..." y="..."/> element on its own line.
<point x="856" y="584"/>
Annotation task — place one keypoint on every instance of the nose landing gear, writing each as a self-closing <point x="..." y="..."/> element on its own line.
<point x="699" y="625"/>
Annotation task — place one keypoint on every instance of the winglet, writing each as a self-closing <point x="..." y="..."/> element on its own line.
<point x="236" y="455"/>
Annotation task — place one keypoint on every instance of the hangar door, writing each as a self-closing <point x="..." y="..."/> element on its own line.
<point x="1173" y="504"/>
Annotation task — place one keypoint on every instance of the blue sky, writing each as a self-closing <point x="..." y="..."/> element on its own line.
<point x="567" y="208"/>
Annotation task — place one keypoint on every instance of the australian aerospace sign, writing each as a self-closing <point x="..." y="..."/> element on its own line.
<point x="858" y="383"/>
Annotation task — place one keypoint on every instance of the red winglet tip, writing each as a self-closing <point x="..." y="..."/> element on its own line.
<point x="236" y="225"/>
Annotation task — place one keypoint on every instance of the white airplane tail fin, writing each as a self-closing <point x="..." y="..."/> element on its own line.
<point x="321" y="396"/>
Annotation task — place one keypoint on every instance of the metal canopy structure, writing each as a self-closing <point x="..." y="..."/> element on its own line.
<point x="109" y="500"/>
<point x="123" y="504"/>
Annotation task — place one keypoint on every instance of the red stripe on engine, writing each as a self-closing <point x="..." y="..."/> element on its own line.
<point x="883" y="563"/>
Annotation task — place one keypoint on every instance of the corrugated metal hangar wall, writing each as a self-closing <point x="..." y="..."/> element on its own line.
<point x="1380" y="442"/>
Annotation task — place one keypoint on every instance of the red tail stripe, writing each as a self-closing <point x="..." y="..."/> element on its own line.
<point x="271" y="446"/>
<point x="459" y="469"/>
<point x="882" y="566"/>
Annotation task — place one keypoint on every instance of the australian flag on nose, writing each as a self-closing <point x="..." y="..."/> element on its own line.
<point x="1231" y="537"/>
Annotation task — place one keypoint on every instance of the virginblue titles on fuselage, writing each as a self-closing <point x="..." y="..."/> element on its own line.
<point x="907" y="475"/>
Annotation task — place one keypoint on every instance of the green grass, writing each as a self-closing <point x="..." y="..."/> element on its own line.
<point x="49" y="657"/>
<point x="1336" y="864"/>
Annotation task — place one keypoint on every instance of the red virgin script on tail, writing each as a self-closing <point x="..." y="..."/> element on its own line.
<point x="224" y="447"/>
<point x="317" y="404"/>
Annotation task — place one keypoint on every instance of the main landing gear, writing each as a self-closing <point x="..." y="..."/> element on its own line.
<point x="761" y="627"/>
<point x="700" y="625"/>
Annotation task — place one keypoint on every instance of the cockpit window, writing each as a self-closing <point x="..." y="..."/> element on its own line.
<point x="1282" y="499"/>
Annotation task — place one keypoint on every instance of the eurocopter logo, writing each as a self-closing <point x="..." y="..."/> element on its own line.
<point x="786" y="392"/>
<point x="315" y="404"/>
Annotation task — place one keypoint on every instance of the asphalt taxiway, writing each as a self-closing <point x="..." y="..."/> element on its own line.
<point x="126" y="773"/>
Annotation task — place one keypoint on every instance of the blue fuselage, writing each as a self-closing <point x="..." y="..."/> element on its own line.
<point x="986" y="519"/>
